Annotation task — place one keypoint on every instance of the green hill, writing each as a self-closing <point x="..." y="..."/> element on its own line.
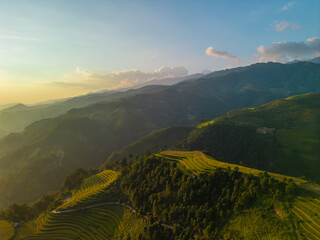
<point x="49" y="149"/>
<point x="305" y="208"/>
<point x="179" y="195"/>
<point x="282" y="136"/>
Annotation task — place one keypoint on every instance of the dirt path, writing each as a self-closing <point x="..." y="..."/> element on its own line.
<point x="55" y="211"/>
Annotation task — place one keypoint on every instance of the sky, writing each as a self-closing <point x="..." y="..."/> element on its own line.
<point x="57" y="49"/>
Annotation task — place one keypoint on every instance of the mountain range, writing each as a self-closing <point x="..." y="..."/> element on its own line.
<point x="47" y="150"/>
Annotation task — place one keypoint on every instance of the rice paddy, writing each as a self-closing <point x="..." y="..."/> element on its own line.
<point x="6" y="230"/>
<point x="307" y="210"/>
<point x="197" y="162"/>
<point x="90" y="189"/>
<point x="94" y="223"/>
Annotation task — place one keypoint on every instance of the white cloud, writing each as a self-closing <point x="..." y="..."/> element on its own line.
<point x="85" y="79"/>
<point x="283" y="25"/>
<point x="288" y="51"/>
<point x="221" y="54"/>
<point x="288" y="5"/>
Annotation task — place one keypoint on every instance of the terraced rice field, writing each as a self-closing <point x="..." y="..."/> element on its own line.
<point x="6" y="230"/>
<point x="307" y="210"/>
<point x="201" y="125"/>
<point x="90" y="189"/>
<point x="197" y="162"/>
<point x="95" y="223"/>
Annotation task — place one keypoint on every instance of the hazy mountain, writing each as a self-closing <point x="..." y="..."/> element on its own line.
<point x="313" y="60"/>
<point x="169" y="81"/>
<point x="17" y="117"/>
<point x="157" y="141"/>
<point x="4" y="106"/>
<point x="49" y="149"/>
<point x="2" y="133"/>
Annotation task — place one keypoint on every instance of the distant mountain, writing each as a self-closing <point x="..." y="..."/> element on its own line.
<point x="313" y="60"/>
<point x="17" y="107"/>
<point x="4" y="106"/>
<point x="170" y="81"/>
<point x="16" y="118"/>
<point x="2" y="133"/>
<point x="49" y="149"/>
<point x="155" y="142"/>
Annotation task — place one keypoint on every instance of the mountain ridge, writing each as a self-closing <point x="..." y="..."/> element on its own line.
<point x="87" y="136"/>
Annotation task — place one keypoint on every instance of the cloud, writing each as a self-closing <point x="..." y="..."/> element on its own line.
<point x="88" y="80"/>
<point x="221" y="54"/>
<point x="283" y="25"/>
<point x="288" y="51"/>
<point x="288" y="5"/>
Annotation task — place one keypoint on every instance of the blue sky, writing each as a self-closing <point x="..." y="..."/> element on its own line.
<point x="53" y="49"/>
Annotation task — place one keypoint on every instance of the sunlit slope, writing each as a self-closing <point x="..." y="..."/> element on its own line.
<point x="6" y="230"/>
<point x="90" y="189"/>
<point x="198" y="162"/>
<point x="95" y="223"/>
<point x="307" y="210"/>
<point x="282" y="136"/>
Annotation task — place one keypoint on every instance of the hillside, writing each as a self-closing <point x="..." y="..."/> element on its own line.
<point x="6" y="230"/>
<point x="177" y="195"/>
<point x="50" y="149"/>
<point x="155" y="142"/>
<point x="282" y="136"/>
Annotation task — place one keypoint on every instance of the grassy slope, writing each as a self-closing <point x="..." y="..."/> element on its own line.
<point x="110" y="221"/>
<point x="95" y="223"/>
<point x="198" y="162"/>
<point x="306" y="207"/>
<point x="266" y="226"/>
<point x="292" y="148"/>
<point x="6" y="230"/>
<point x="307" y="210"/>
<point x="90" y="189"/>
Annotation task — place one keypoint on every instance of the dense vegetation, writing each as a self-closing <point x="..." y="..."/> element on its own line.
<point x="196" y="206"/>
<point x="168" y="197"/>
<point x="281" y="136"/>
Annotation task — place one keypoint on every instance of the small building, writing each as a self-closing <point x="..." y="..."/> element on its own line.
<point x="265" y="130"/>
